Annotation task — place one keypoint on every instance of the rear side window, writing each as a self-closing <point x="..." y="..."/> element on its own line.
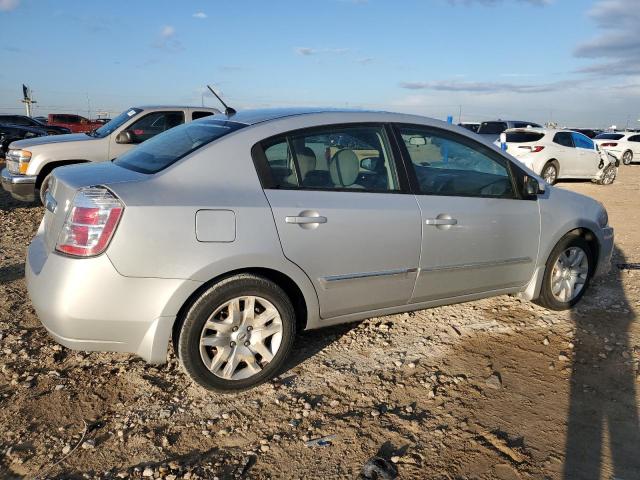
<point x="635" y="138"/>
<point x="564" y="139"/>
<point x="167" y="148"/>
<point x="493" y="128"/>
<point x="581" y="141"/>
<point x="609" y="136"/>
<point x="197" y="115"/>
<point x="340" y="158"/>
<point x="524" y="137"/>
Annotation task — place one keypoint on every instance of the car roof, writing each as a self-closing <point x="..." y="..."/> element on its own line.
<point x="149" y="107"/>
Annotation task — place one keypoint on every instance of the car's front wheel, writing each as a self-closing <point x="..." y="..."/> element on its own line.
<point x="567" y="274"/>
<point x="627" y="157"/>
<point x="609" y="175"/>
<point x="237" y="334"/>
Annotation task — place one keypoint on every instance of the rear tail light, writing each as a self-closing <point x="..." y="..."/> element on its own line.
<point x="90" y="223"/>
<point x="534" y="149"/>
<point x="609" y="144"/>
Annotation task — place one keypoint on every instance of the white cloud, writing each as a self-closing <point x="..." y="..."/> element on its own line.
<point x="8" y="5"/>
<point x="364" y="61"/>
<point x="306" y="51"/>
<point x="200" y="15"/>
<point x="487" y="87"/>
<point x="618" y="46"/>
<point x="167" y="31"/>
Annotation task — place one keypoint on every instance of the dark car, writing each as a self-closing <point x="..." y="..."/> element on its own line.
<point x="11" y="133"/>
<point x="589" y="132"/>
<point x="24" y="121"/>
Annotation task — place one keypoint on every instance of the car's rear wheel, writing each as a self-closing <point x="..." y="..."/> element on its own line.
<point x="550" y="173"/>
<point x="237" y="334"/>
<point x="567" y="274"/>
<point x="627" y="157"/>
<point x="609" y="175"/>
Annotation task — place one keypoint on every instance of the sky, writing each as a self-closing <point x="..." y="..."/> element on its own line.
<point x="575" y="62"/>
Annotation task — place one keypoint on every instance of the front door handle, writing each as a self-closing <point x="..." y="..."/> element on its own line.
<point x="305" y="220"/>
<point x="441" y="221"/>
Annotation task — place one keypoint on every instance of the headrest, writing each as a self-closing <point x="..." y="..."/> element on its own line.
<point x="344" y="168"/>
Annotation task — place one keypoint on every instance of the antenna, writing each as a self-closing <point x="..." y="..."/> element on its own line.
<point x="227" y="110"/>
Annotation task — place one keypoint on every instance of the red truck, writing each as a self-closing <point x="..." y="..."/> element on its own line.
<point x="75" y="123"/>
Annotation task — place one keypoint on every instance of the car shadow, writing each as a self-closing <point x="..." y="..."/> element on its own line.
<point x="7" y="202"/>
<point x="11" y="273"/>
<point x="310" y="343"/>
<point x="603" y="399"/>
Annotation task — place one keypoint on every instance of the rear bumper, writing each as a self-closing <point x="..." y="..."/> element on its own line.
<point x="21" y="187"/>
<point x="85" y="304"/>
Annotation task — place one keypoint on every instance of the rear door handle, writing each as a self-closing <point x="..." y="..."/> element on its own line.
<point x="441" y="221"/>
<point x="305" y="220"/>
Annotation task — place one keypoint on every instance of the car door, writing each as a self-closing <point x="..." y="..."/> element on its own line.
<point x="589" y="159"/>
<point x="566" y="154"/>
<point x="478" y="235"/>
<point x="344" y="215"/>
<point x="144" y="128"/>
<point x="634" y="145"/>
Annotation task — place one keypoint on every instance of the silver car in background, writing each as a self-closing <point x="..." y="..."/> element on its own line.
<point x="230" y="234"/>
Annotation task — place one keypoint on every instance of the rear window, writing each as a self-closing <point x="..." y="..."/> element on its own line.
<point x="609" y="136"/>
<point x="523" y="137"/>
<point x="493" y="128"/>
<point x="167" y="148"/>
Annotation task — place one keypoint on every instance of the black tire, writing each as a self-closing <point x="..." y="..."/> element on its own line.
<point x="551" y="166"/>
<point x="44" y="187"/>
<point x="188" y="344"/>
<point x="608" y="176"/>
<point x="546" y="298"/>
<point x="627" y="157"/>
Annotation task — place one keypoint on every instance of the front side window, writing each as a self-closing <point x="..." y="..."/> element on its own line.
<point x="167" y="148"/>
<point x="154" y="123"/>
<point x="564" y="139"/>
<point x="447" y="165"/>
<point x="353" y="158"/>
<point x="582" y="141"/>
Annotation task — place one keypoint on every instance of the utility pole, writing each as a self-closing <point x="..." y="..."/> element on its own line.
<point x="460" y="114"/>
<point x="26" y="99"/>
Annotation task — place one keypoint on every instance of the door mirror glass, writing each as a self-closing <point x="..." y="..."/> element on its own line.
<point x="124" y="137"/>
<point x="532" y="187"/>
<point x="372" y="164"/>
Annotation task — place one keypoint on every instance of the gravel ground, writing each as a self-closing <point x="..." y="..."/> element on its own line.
<point x="494" y="389"/>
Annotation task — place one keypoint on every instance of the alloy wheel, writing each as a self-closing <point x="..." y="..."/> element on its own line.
<point x="550" y="174"/>
<point x="609" y="175"/>
<point x="241" y="337"/>
<point x="569" y="274"/>
<point x="627" y="157"/>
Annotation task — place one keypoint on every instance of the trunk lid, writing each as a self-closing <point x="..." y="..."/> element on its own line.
<point x="65" y="183"/>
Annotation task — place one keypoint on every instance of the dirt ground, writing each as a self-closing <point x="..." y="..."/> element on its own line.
<point x="494" y="389"/>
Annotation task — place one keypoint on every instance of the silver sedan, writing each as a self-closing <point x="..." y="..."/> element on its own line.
<point x="228" y="235"/>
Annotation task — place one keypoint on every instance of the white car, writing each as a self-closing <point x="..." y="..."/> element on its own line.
<point x="624" y="146"/>
<point x="559" y="154"/>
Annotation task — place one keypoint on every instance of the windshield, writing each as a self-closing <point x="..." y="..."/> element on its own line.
<point x="109" y="127"/>
<point x="492" y="128"/>
<point x="609" y="136"/>
<point x="167" y="148"/>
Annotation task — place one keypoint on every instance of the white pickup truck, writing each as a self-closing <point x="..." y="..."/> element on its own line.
<point x="30" y="162"/>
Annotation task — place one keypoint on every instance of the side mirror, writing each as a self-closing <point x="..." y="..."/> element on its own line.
<point x="532" y="187"/>
<point x="370" y="164"/>
<point x="124" y="137"/>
